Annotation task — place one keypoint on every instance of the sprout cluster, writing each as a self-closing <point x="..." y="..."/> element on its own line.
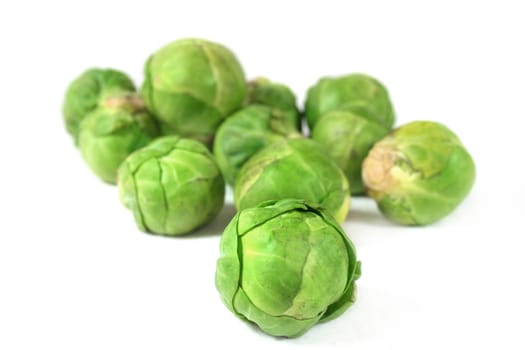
<point x="107" y="119"/>
<point x="197" y="125"/>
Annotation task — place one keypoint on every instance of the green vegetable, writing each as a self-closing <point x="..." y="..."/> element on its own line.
<point x="293" y="168"/>
<point x="348" y="137"/>
<point x="90" y="91"/>
<point x="110" y="133"/>
<point x="192" y="85"/>
<point x="356" y="93"/>
<point x="277" y="96"/>
<point x="285" y="266"/>
<point x="419" y="173"/>
<point x="172" y="186"/>
<point x="248" y="131"/>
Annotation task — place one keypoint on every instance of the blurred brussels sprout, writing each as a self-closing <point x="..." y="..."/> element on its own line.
<point x="172" y="186"/>
<point x="285" y="266"/>
<point x="109" y="134"/>
<point x="246" y="132"/>
<point x="192" y="85"/>
<point x="293" y="168"/>
<point x="348" y="137"/>
<point x="89" y="91"/>
<point x="357" y="93"/>
<point x="419" y="173"/>
<point x="278" y="96"/>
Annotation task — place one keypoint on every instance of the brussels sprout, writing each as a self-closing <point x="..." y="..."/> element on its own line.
<point x="419" y="173"/>
<point x="109" y="134"/>
<point x="348" y="137"/>
<point x="89" y="91"/>
<point x="285" y="266"/>
<point x="293" y="168"/>
<point x="246" y="132"/>
<point x="191" y="85"/>
<point x="357" y="93"/>
<point x="278" y="96"/>
<point x="172" y="186"/>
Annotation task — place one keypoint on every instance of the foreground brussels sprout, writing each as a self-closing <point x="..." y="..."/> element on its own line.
<point x="278" y="96"/>
<point x="348" y="137"/>
<point x="357" y="93"/>
<point x="191" y="85"/>
<point x="172" y="186"/>
<point x="293" y="168"/>
<point x="419" y="173"/>
<point x="109" y="134"/>
<point x="285" y="266"/>
<point x="90" y="91"/>
<point x="246" y="132"/>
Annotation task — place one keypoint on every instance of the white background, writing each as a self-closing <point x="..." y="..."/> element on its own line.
<point x="75" y="272"/>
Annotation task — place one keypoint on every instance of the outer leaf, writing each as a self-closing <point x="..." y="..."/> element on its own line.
<point x="356" y="93"/>
<point x="88" y="92"/>
<point x="108" y="135"/>
<point x="177" y="186"/>
<point x="348" y="138"/>
<point x="295" y="168"/>
<point x="285" y="265"/>
<point x="192" y="85"/>
<point x="245" y="133"/>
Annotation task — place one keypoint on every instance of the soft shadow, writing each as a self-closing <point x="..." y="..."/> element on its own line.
<point x="372" y="217"/>
<point x="364" y="210"/>
<point x="377" y="314"/>
<point x="366" y="226"/>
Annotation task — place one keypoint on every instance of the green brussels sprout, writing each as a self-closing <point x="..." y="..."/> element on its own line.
<point x="357" y="93"/>
<point x="246" y="132"/>
<point x="89" y="91"/>
<point x="293" y="168"/>
<point x="419" y="173"/>
<point x="109" y="134"/>
<point x="192" y="85"/>
<point x="172" y="186"/>
<point x="285" y="266"/>
<point x="278" y="96"/>
<point x="348" y="137"/>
